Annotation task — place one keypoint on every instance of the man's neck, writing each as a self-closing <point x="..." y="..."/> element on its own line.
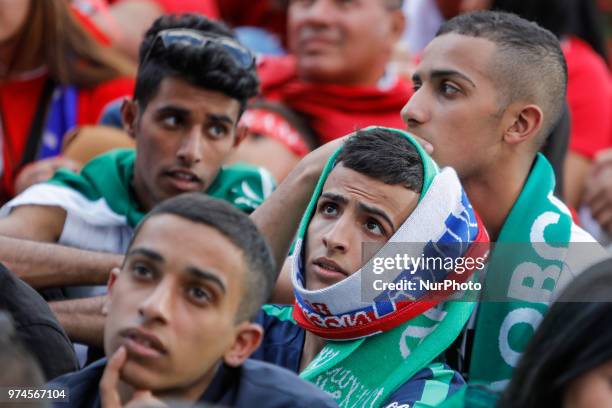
<point x="143" y="197"/>
<point x="371" y="79"/>
<point x="494" y="194"/>
<point x="313" y="345"/>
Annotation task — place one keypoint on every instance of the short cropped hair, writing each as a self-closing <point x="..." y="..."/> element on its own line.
<point x="529" y="66"/>
<point x="209" y="67"/>
<point x="384" y="155"/>
<point x="260" y="275"/>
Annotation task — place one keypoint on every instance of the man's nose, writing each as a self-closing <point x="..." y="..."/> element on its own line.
<point x="320" y="12"/>
<point x="415" y="112"/>
<point x="190" y="150"/>
<point x="156" y="306"/>
<point x="337" y="237"/>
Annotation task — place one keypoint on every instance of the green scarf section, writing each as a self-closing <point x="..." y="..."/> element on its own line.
<point x="110" y="175"/>
<point x="518" y="276"/>
<point x="366" y="371"/>
<point x="471" y="397"/>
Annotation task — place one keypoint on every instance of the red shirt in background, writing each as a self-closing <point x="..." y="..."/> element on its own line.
<point x="332" y="111"/>
<point x="207" y="8"/>
<point x="589" y="95"/>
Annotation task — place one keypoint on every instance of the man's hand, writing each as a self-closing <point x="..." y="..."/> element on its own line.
<point x="598" y="194"/>
<point x="42" y="170"/>
<point x="109" y="394"/>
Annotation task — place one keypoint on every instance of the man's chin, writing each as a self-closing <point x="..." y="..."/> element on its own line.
<point x="315" y="282"/>
<point x="142" y="378"/>
<point x="316" y="68"/>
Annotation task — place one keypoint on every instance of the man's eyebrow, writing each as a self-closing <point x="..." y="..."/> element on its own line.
<point x="437" y="73"/>
<point x="206" y="276"/>
<point x="220" y="118"/>
<point x="335" y="197"/>
<point x="376" y="211"/>
<point x="155" y="256"/>
<point x="173" y="109"/>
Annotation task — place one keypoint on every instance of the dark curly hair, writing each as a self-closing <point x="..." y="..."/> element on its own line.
<point x="209" y="67"/>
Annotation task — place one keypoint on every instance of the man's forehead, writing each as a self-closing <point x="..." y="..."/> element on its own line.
<point x="179" y="94"/>
<point x="347" y="185"/>
<point x="470" y="56"/>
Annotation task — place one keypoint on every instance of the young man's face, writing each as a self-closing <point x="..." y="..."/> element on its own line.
<point x="456" y="106"/>
<point x="353" y="209"/>
<point x="344" y="41"/>
<point x="174" y="306"/>
<point x="182" y="137"/>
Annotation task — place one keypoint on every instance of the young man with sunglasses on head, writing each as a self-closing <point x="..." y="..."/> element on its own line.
<point x="192" y="85"/>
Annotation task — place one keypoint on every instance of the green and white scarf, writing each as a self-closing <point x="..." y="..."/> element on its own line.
<point x="532" y="260"/>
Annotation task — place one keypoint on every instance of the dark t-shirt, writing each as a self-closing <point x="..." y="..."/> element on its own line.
<point x="36" y="325"/>
<point x="254" y="382"/>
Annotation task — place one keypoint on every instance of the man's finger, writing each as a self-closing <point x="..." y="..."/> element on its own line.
<point x="108" y="384"/>
<point x="595" y="188"/>
<point x="603" y="158"/>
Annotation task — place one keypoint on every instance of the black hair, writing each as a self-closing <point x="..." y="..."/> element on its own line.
<point x="562" y="17"/>
<point x="384" y="155"/>
<point x="573" y="338"/>
<point x="209" y="67"/>
<point x="261" y="274"/>
<point x="530" y="64"/>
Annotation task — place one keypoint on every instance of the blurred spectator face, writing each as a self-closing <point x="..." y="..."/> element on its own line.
<point x="352" y="209"/>
<point x="591" y="389"/>
<point x="455" y="106"/>
<point x="182" y="138"/>
<point x="174" y="307"/>
<point x="263" y="151"/>
<point x="12" y="16"/>
<point x="343" y="41"/>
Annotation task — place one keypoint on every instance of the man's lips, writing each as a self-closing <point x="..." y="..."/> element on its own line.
<point x="183" y="179"/>
<point x="316" y="42"/>
<point x="327" y="266"/>
<point x="143" y="343"/>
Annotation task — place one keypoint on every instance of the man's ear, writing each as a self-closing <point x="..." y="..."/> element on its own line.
<point x="241" y="134"/>
<point x="248" y="338"/>
<point x="129" y="116"/>
<point x="524" y="123"/>
<point x="112" y="278"/>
